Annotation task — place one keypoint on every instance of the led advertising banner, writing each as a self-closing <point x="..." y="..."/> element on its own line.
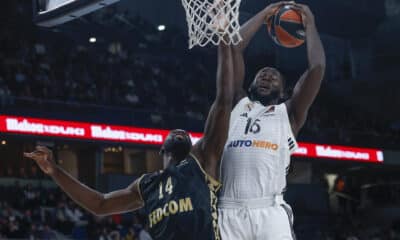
<point x="127" y="134"/>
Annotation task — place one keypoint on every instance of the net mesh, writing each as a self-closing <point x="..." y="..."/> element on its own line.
<point x="212" y="21"/>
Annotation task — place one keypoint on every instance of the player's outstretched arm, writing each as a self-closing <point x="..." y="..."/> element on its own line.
<point x="209" y="149"/>
<point x="249" y="28"/>
<point x="124" y="200"/>
<point x="309" y="83"/>
<point x="247" y="31"/>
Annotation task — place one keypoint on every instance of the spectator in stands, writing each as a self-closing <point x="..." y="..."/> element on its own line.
<point x="47" y="233"/>
<point x="62" y="221"/>
<point x="131" y="235"/>
<point x="73" y="213"/>
<point x="51" y="200"/>
<point x="30" y="196"/>
<point x="144" y="234"/>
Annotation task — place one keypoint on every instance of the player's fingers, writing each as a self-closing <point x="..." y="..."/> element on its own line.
<point x="42" y="149"/>
<point x="32" y="156"/>
<point x="303" y="7"/>
<point x="289" y="2"/>
<point x="299" y="8"/>
<point x="281" y="3"/>
<point x="276" y="6"/>
<point x="28" y="155"/>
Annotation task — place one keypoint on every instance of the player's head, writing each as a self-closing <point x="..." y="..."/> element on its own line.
<point x="176" y="147"/>
<point x="267" y="87"/>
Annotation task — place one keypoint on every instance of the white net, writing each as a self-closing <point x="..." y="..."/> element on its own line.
<point x="212" y="21"/>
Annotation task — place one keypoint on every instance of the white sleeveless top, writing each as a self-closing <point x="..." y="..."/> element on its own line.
<point x="257" y="153"/>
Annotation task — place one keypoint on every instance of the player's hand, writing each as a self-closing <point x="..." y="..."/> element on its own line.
<point x="306" y="14"/>
<point x="219" y="16"/>
<point x="271" y="9"/>
<point x="44" y="158"/>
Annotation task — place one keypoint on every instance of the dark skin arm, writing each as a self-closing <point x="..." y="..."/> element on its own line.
<point x="208" y="150"/>
<point x="119" y="201"/>
<point x="247" y="32"/>
<point x="308" y="85"/>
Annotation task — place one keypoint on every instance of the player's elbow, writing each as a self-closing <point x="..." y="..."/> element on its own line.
<point x="317" y="70"/>
<point x="99" y="208"/>
<point x="318" y="67"/>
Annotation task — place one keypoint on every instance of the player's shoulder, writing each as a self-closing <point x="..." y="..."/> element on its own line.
<point x="149" y="178"/>
<point x="243" y="101"/>
<point x="244" y="104"/>
<point x="194" y="165"/>
<point x="189" y="165"/>
<point x="283" y="108"/>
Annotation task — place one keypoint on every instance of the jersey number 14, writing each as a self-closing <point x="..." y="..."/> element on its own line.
<point x="168" y="188"/>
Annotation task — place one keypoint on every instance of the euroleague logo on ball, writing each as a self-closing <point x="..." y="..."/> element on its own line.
<point x="301" y="32"/>
<point x="286" y="27"/>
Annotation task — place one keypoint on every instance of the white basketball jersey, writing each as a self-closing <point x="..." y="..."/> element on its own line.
<point x="257" y="153"/>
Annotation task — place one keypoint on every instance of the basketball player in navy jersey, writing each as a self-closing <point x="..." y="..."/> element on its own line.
<point x="180" y="201"/>
<point x="262" y="137"/>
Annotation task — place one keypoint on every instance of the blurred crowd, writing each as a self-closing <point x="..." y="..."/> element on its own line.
<point x="28" y="212"/>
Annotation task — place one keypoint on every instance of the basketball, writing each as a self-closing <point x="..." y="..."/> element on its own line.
<point x="286" y="27"/>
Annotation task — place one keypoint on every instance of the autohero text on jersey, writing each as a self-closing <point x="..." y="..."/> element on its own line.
<point x="253" y="143"/>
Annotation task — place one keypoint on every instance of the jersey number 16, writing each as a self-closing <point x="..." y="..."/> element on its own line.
<point x="252" y="126"/>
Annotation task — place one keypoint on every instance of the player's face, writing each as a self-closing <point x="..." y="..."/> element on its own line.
<point x="267" y="82"/>
<point x="167" y="159"/>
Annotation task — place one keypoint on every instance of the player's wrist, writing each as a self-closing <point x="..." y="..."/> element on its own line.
<point x="268" y="12"/>
<point x="310" y="27"/>
<point x="55" y="170"/>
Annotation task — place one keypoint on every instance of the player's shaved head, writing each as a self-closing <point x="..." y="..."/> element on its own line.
<point x="177" y="144"/>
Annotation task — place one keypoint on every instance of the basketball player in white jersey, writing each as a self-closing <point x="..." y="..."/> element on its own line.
<point x="262" y="137"/>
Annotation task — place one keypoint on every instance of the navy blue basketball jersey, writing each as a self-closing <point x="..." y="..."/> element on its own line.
<point x="181" y="202"/>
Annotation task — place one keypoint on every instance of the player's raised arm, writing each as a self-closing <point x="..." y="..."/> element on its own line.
<point x="123" y="200"/>
<point x="209" y="149"/>
<point x="309" y="83"/>
<point x="247" y="31"/>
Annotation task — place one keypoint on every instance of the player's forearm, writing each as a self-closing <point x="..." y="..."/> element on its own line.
<point x="248" y="29"/>
<point x="81" y="194"/>
<point x="247" y="32"/>
<point x="315" y="50"/>
<point x="225" y="88"/>
<point x="239" y="76"/>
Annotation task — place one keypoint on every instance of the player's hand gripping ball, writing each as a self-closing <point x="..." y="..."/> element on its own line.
<point x="286" y="27"/>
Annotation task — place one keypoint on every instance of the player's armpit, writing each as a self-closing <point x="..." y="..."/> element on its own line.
<point x="303" y="96"/>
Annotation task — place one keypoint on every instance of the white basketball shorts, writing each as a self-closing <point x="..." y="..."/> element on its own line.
<point x="258" y="219"/>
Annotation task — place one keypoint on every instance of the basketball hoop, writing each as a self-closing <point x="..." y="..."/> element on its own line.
<point x="212" y="21"/>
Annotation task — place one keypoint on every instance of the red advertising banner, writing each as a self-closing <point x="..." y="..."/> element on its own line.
<point x="313" y="150"/>
<point x="94" y="131"/>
